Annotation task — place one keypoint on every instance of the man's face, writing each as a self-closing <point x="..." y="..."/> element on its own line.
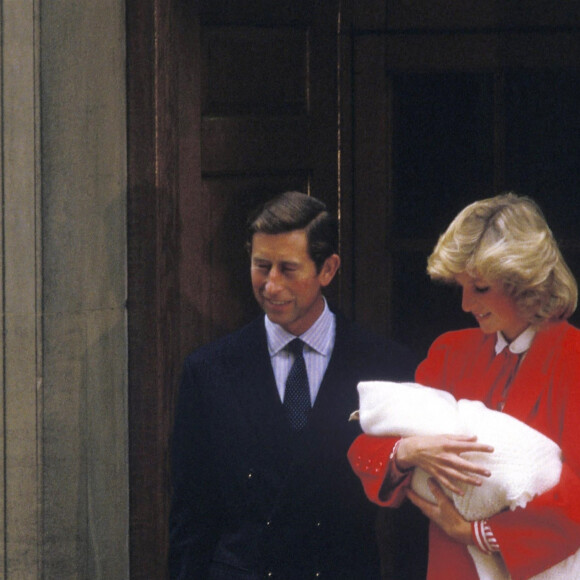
<point x="285" y="282"/>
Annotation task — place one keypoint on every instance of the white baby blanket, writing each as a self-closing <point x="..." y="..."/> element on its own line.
<point x="524" y="463"/>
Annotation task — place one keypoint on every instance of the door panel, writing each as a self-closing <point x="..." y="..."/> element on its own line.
<point x="230" y="103"/>
<point x="267" y="122"/>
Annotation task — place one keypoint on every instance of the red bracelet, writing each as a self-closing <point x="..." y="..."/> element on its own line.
<point x="483" y="537"/>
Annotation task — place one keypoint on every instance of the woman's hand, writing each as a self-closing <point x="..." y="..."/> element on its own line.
<point x="440" y="457"/>
<point x="443" y="513"/>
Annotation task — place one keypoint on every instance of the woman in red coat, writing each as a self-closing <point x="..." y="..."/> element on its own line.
<point x="524" y="360"/>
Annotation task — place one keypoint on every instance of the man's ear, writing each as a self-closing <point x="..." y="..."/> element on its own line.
<point x="329" y="269"/>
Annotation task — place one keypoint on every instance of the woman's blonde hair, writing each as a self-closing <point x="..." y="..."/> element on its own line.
<point x="506" y="239"/>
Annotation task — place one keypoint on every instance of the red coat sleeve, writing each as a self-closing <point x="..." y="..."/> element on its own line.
<point x="544" y="533"/>
<point x="369" y="459"/>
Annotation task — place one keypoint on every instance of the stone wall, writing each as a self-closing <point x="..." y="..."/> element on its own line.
<point x="63" y="403"/>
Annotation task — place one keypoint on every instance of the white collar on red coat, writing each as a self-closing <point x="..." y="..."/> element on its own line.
<point x="521" y="344"/>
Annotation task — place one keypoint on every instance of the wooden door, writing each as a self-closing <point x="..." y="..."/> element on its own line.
<point x="230" y="103"/>
<point x="258" y="114"/>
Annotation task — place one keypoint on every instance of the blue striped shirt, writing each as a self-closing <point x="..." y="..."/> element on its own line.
<point x="319" y="342"/>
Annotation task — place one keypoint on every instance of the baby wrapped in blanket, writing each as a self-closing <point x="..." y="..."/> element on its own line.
<point x="524" y="463"/>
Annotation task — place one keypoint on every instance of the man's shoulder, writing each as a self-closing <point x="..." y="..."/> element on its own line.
<point x="250" y="336"/>
<point x="359" y="345"/>
<point x="356" y="333"/>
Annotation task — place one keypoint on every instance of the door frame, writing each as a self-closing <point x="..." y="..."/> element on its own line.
<point x="152" y="306"/>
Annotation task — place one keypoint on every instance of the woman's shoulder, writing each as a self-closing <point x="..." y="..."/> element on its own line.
<point x="560" y="335"/>
<point x="450" y="353"/>
<point x="466" y="338"/>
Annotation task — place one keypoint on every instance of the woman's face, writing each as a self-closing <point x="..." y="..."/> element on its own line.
<point x="492" y="308"/>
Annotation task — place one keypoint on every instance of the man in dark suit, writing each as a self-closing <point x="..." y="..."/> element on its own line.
<point x="261" y="484"/>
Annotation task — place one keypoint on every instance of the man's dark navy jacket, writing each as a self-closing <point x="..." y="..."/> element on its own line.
<point x="250" y="498"/>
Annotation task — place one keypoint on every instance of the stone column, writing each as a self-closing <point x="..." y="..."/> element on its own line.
<point x="20" y="288"/>
<point x="63" y="370"/>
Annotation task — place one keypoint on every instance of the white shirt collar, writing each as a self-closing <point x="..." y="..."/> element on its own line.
<point x="521" y="344"/>
<point x="318" y="337"/>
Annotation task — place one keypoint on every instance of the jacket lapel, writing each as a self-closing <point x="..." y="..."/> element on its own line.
<point x="337" y="398"/>
<point x="254" y="386"/>
<point x="332" y="398"/>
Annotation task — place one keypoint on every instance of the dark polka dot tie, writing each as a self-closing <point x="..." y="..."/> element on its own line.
<point x="297" y="394"/>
